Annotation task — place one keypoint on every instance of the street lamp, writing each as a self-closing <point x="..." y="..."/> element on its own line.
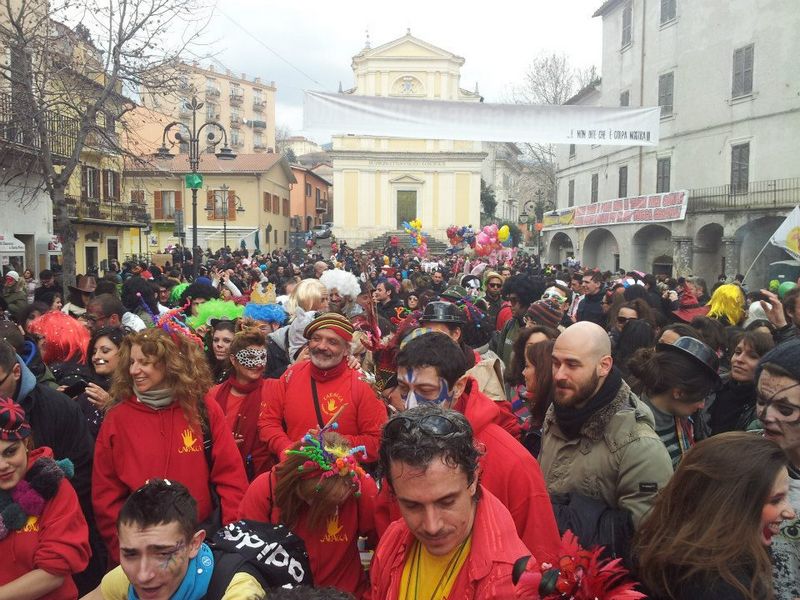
<point x="212" y="208"/>
<point x="177" y="133"/>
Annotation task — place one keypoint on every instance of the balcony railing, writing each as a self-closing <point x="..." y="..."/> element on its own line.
<point x="259" y="146"/>
<point x="118" y="212"/>
<point x="237" y="143"/>
<point x="237" y="98"/>
<point x="19" y="130"/>
<point x="236" y="122"/>
<point x="322" y="206"/>
<point x="258" y="125"/>
<point x="771" y="193"/>
<point x="259" y="105"/>
<point x="212" y="91"/>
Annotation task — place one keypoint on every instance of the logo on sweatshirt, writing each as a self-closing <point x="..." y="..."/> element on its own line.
<point x="190" y="442"/>
<point x="331" y="403"/>
<point x="335" y="531"/>
<point x="31" y="525"/>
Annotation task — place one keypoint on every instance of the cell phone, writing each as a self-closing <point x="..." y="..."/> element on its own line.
<point x="76" y="388"/>
<point x="762" y="296"/>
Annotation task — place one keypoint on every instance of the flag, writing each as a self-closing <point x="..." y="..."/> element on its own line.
<point x="787" y="235"/>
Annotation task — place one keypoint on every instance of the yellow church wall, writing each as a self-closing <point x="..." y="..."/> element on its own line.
<point x="351" y="199"/>
<point x="378" y="196"/>
<point x="407" y="145"/>
<point x="462" y="197"/>
<point x="435" y="200"/>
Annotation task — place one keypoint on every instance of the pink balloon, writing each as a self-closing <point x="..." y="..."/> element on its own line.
<point x="483" y="238"/>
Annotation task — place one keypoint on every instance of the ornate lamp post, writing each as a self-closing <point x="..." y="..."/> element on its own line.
<point x="212" y="208"/>
<point x="177" y="133"/>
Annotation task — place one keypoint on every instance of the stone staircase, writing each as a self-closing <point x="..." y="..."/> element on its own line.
<point x="404" y="241"/>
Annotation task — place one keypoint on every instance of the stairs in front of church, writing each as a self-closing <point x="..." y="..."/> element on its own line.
<point x="404" y="241"/>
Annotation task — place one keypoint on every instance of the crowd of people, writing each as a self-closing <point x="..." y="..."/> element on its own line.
<point x="385" y="425"/>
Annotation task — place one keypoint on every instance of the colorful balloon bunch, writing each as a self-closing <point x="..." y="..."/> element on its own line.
<point x="419" y="240"/>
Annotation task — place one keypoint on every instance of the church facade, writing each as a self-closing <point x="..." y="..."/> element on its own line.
<point x="382" y="181"/>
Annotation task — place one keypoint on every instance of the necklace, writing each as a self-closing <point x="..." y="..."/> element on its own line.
<point x="446" y="575"/>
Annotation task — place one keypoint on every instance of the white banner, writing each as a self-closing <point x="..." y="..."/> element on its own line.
<point x="787" y="236"/>
<point x="331" y="114"/>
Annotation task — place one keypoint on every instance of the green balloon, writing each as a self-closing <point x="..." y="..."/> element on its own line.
<point x="784" y="288"/>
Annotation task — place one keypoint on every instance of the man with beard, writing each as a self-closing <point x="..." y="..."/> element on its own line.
<point x="313" y="391"/>
<point x="598" y="438"/>
<point x="493" y="284"/>
<point x="438" y="283"/>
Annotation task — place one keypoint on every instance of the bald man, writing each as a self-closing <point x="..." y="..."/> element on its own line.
<point x="598" y="438"/>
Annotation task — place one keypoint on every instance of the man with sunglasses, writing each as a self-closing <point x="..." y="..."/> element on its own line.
<point x="455" y="538"/>
<point x="432" y="371"/>
<point x="778" y="409"/>
<point x="493" y="284"/>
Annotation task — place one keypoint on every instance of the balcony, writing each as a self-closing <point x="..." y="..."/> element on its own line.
<point x="236" y="122"/>
<point x="259" y="105"/>
<point x="113" y="213"/>
<point x="237" y="143"/>
<point x="18" y="130"/>
<point x="212" y="91"/>
<point x="321" y="206"/>
<point x="258" y="125"/>
<point x="237" y="98"/>
<point x="259" y="146"/>
<point x="771" y="193"/>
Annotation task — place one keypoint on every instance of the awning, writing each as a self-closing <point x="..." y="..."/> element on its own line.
<point x="10" y="245"/>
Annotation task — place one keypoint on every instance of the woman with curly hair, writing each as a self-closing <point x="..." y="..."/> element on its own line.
<point x="158" y="425"/>
<point x="710" y="528"/>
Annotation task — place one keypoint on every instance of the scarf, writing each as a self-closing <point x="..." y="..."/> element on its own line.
<point x="156" y="399"/>
<point x="330" y="374"/>
<point x="195" y="583"/>
<point x="30" y="495"/>
<point x="571" y="420"/>
<point x="243" y="388"/>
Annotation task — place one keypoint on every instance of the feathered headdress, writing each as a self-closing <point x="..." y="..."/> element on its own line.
<point x="172" y="322"/>
<point x="579" y="575"/>
<point x="326" y="460"/>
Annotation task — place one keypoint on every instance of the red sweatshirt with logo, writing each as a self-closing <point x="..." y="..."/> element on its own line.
<point x="137" y="443"/>
<point x="288" y="409"/>
<point x="332" y="553"/>
<point x="56" y="542"/>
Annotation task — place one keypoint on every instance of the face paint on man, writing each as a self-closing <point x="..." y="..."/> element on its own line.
<point x="423" y="386"/>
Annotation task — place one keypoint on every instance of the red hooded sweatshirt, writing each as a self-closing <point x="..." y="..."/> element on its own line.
<point x="333" y="553"/>
<point x="507" y="470"/>
<point x="288" y="408"/>
<point x="56" y="542"/>
<point x="137" y="443"/>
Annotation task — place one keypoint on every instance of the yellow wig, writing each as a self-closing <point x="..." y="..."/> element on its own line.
<point x="727" y="304"/>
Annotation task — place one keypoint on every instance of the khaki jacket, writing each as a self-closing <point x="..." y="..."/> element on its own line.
<point x="617" y="458"/>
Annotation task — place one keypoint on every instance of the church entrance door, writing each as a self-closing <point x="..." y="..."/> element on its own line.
<point x="406" y="206"/>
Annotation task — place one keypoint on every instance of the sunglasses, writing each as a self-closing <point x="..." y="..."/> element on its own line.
<point x="624" y="320"/>
<point x="496" y="286"/>
<point x="435" y="425"/>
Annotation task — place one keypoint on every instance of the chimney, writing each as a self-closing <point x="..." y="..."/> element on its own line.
<point x="195" y="63"/>
<point x="211" y="68"/>
<point x="257" y="80"/>
<point x="228" y="72"/>
<point x="244" y="76"/>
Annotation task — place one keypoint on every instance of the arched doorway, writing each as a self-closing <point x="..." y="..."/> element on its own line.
<point x="652" y="245"/>
<point x="708" y="252"/>
<point x="560" y="248"/>
<point x="309" y="223"/>
<point x="750" y="239"/>
<point x="601" y="250"/>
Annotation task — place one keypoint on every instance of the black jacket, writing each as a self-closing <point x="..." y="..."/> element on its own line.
<point x="591" y="309"/>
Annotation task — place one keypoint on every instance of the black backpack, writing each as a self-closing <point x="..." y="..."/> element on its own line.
<point x="272" y="554"/>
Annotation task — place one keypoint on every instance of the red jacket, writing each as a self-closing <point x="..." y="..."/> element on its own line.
<point x="288" y="411"/>
<point x="56" y="542"/>
<point x="251" y="449"/>
<point x="486" y="574"/>
<point x="334" y="557"/>
<point x="504" y="316"/>
<point x="137" y="443"/>
<point x="508" y="471"/>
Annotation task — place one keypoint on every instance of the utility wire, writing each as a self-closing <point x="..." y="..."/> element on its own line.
<point x="260" y="42"/>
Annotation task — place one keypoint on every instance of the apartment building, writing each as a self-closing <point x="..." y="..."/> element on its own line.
<point x="725" y="77"/>
<point x="244" y="106"/>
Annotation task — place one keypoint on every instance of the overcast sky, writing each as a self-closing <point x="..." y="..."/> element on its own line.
<point x="310" y="45"/>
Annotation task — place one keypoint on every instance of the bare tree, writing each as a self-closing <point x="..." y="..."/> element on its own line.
<point x="549" y="79"/>
<point x="68" y="87"/>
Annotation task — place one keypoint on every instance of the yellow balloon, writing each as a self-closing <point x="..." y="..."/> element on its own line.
<point x="503" y="233"/>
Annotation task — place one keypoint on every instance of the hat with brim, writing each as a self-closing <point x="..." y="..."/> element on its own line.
<point x="86" y="284"/>
<point x="689" y="308"/>
<point x="700" y="352"/>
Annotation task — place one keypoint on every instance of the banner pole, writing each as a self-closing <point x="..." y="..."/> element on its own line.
<point x="760" y="252"/>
